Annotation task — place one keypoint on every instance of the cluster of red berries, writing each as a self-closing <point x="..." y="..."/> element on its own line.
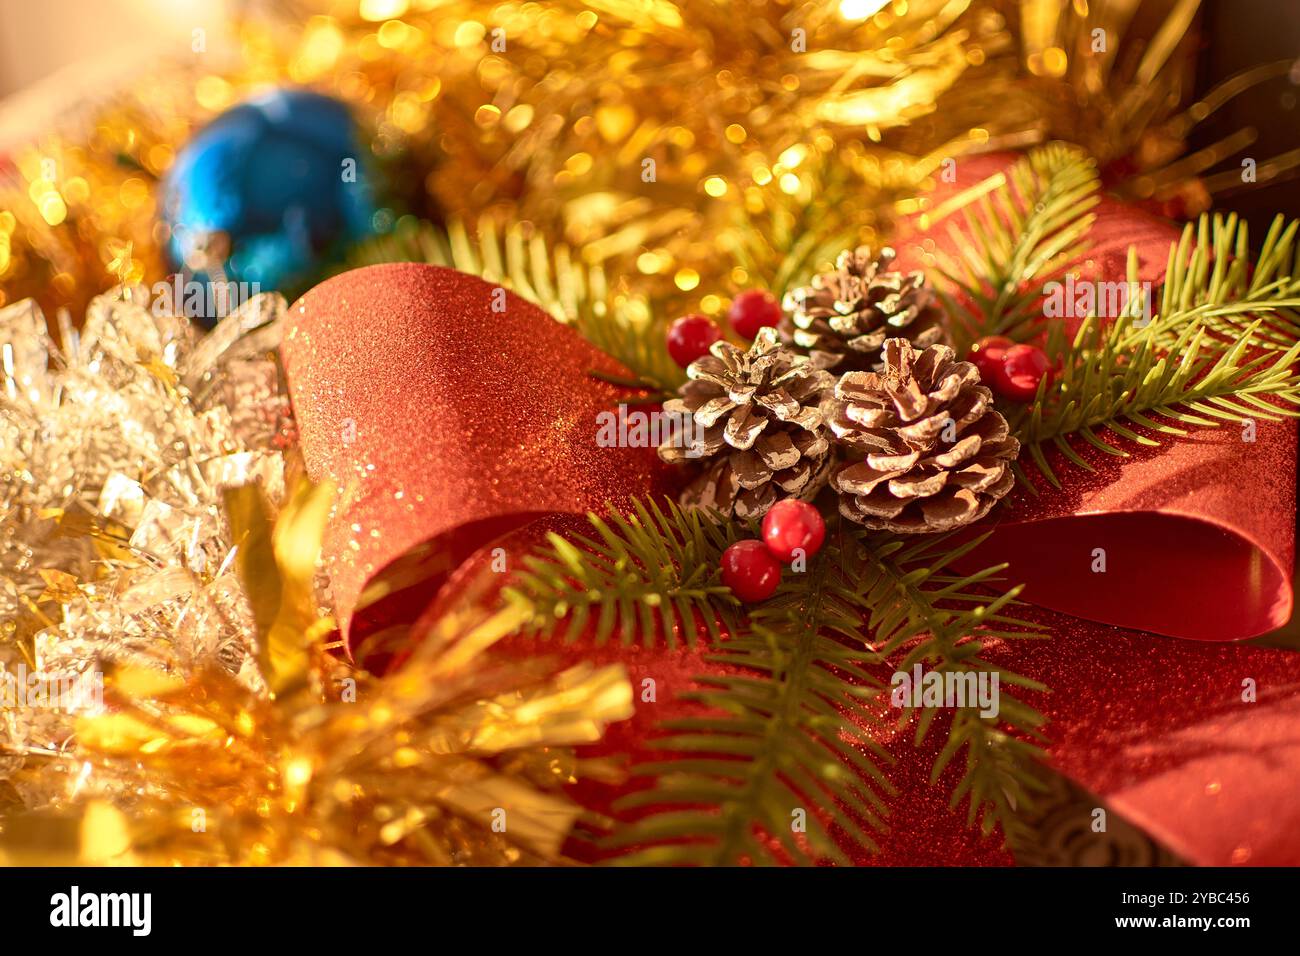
<point x="1013" y="371"/>
<point x="690" y="336"/>
<point x="791" y="530"/>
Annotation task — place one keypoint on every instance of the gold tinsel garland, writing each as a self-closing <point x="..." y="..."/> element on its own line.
<point x="692" y="147"/>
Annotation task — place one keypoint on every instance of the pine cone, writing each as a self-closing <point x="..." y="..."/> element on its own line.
<point x="844" y="317"/>
<point x="753" y="420"/>
<point x="933" y="454"/>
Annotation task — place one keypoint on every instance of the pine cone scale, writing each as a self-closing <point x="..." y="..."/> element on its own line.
<point x="709" y="413"/>
<point x="794" y="480"/>
<point x="935" y="454"/>
<point x="749" y="469"/>
<point x="781" y="405"/>
<point x="923" y="431"/>
<point x="778" y="452"/>
<point x="845" y="317"/>
<point x="917" y="486"/>
<point x="861" y="478"/>
<point x="764" y="435"/>
<point x="961" y="452"/>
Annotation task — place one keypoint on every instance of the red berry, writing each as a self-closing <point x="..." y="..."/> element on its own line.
<point x="1022" y="368"/>
<point x="986" y="355"/>
<point x="752" y="310"/>
<point x="689" y="338"/>
<point x="751" y="571"/>
<point x="790" y="526"/>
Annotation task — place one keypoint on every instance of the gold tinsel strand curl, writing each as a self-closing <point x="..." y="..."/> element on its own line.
<point x="779" y="132"/>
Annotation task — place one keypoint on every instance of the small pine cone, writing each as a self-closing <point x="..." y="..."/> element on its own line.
<point x="753" y="420"/>
<point x="928" y="452"/>
<point x="845" y="316"/>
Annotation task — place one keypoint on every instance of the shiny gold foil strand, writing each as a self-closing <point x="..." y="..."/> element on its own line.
<point x="553" y="129"/>
<point x="418" y="768"/>
<point x="112" y="550"/>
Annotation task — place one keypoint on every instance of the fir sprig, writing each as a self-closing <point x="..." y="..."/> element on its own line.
<point x="1210" y="280"/>
<point x="1220" y="348"/>
<point x="787" y="741"/>
<point x="923" y="613"/>
<point x="1123" y="383"/>
<point x="646" y="577"/>
<point x="795" y="723"/>
<point x="1021" y="227"/>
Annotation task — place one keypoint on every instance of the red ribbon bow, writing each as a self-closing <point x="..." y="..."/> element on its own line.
<point x="451" y="422"/>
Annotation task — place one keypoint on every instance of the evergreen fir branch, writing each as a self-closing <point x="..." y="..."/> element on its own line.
<point x="923" y="614"/>
<point x="1014" y="238"/>
<point x="621" y="325"/>
<point x="1196" y="362"/>
<point x="797" y="728"/>
<point x="648" y="576"/>
<point x="787" y="738"/>
<point x="794" y="723"/>
<point x="1127" y="384"/>
<point x="1209" y="279"/>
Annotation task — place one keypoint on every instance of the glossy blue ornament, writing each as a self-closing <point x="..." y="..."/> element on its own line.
<point x="267" y="195"/>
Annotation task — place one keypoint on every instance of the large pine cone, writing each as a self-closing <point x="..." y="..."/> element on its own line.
<point x="844" y="317"/>
<point x="933" y="452"/>
<point x="753" y="420"/>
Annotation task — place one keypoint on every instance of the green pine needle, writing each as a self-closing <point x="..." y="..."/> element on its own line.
<point x="784" y="755"/>
<point x="649" y="576"/>
<point x="1015" y="237"/>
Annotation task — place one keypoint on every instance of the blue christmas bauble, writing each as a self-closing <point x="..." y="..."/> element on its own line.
<point x="266" y="196"/>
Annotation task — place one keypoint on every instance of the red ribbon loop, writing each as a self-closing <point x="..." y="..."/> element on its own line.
<point x="450" y="411"/>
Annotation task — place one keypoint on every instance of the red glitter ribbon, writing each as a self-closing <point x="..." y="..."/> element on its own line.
<point x="449" y="419"/>
<point x="450" y="412"/>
